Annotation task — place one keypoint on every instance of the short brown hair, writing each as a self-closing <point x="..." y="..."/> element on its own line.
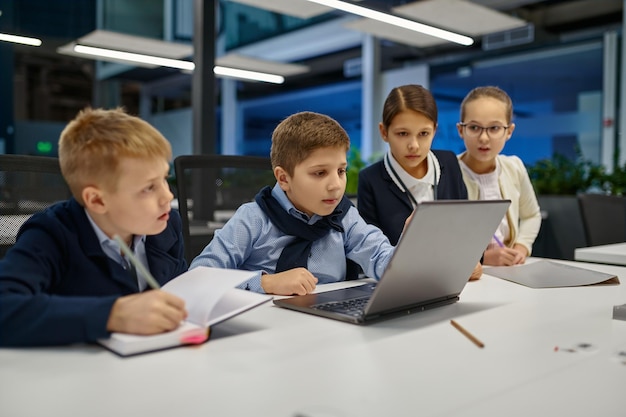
<point x="91" y="146"/>
<point x="296" y="137"/>
<point x="489" y="91"/>
<point x="409" y="97"/>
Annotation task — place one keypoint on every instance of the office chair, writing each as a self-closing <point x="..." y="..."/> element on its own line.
<point x="209" y="189"/>
<point x="604" y="218"/>
<point x="28" y="184"/>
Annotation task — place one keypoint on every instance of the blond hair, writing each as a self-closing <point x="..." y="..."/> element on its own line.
<point x="296" y="137"/>
<point x="92" y="144"/>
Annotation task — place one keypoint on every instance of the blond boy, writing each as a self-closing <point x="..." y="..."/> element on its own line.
<point x="65" y="280"/>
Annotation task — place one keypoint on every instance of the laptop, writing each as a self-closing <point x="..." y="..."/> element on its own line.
<point x="433" y="261"/>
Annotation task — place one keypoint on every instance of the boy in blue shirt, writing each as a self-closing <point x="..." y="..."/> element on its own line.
<point x="64" y="281"/>
<point x="300" y="232"/>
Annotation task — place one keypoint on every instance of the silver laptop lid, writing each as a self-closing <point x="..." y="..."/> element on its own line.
<point x="437" y="252"/>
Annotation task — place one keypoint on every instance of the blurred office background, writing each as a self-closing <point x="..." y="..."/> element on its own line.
<point x="561" y="62"/>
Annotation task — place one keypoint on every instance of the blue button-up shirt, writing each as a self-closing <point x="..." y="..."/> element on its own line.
<point x="251" y="242"/>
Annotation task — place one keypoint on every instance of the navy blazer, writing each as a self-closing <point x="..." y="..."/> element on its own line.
<point x="384" y="205"/>
<point x="57" y="286"/>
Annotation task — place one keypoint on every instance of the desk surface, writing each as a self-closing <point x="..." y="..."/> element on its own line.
<point x="614" y="254"/>
<point x="275" y="362"/>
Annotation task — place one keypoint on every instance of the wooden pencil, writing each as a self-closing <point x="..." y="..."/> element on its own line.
<point x="467" y="334"/>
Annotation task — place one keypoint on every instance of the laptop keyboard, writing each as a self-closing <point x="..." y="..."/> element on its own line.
<point x="353" y="307"/>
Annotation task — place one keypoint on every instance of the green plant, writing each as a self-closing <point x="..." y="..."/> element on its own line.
<point x="355" y="164"/>
<point x="563" y="176"/>
<point x="615" y="182"/>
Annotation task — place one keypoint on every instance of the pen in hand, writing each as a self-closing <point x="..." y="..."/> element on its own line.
<point x="467" y="334"/>
<point x="152" y="282"/>
<point x="498" y="241"/>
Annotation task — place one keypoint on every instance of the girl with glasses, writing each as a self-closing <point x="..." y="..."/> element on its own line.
<point x="485" y="127"/>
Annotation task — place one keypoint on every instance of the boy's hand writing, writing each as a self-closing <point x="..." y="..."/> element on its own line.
<point x="297" y="281"/>
<point x="146" y="313"/>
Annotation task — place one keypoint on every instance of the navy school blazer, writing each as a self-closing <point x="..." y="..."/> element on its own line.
<point x="57" y="286"/>
<point x="381" y="203"/>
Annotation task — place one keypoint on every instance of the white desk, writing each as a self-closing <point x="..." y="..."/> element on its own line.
<point x="614" y="254"/>
<point x="275" y="362"/>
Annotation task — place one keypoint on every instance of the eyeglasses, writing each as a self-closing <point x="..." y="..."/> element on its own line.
<point x="474" y="131"/>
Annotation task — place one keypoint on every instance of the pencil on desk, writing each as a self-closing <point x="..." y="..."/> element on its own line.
<point x="467" y="334"/>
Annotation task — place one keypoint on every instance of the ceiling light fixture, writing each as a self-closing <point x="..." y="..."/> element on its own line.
<point x="20" y="39"/>
<point x="116" y="55"/>
<point x="133" y="57"/>
<point x="248" y="75"/>
<point x="396" y="21"/>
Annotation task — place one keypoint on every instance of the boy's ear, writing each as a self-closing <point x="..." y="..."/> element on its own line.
<point x="92" y="197"/>
<point x="282" y="177"/>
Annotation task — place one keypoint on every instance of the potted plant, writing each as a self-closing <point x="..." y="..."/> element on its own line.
<point x="615" y="182"/>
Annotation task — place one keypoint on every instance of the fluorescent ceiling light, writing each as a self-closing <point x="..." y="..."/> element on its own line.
<point x="150" y="53"/>
<point x="393" y="33"/>
<point x="137" y="44"/>
<point x="248" y="75"/>
<point x="396" y="21"/>
<point x="121" y="56"/>
<point x="234" y="60"/>
<point x="133" y="57"/>
<point x="20" y="39"/>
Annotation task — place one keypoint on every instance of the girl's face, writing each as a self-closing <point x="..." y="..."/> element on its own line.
<point x="485" y="131"/>
<point x="410" y="136"/>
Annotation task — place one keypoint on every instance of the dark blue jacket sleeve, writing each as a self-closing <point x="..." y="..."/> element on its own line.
<point x="381" y="203"/>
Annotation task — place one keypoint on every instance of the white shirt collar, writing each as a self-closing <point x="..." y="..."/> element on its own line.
<point x="106" y="242"/>
<point x="284" y="201"/>
<point x="422" y="189"/>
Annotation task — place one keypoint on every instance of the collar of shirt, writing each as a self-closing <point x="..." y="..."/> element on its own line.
<point x="421" y="188"/>
<point x="488" y="186"/>
<point x="284" y="201"/>
<point x="110" y="247"/>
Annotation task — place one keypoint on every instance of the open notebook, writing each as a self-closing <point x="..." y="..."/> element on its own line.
<point x="210" y="297"/>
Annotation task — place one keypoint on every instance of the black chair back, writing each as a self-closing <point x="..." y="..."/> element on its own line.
<point x="604" y="218"/>
<point x="209" y="188"/>
<point x="28" y="184"/>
